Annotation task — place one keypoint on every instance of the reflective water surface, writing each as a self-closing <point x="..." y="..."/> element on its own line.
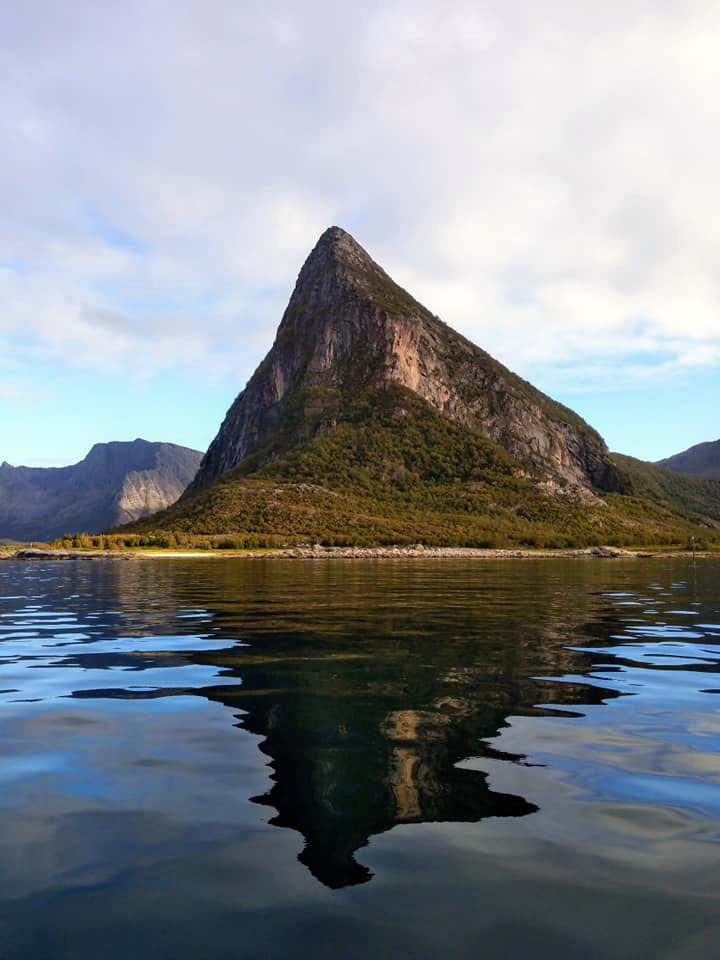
<point x="270" y="759"/>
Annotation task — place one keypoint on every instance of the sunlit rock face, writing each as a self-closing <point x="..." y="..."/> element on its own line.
<point x="349" y="327"/>
<point x="115" y="483"/>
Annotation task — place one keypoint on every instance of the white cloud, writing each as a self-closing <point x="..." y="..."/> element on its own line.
<point x="544" y="177"/>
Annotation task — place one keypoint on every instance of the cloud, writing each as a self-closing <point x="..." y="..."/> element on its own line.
<point x="544" y="178"/>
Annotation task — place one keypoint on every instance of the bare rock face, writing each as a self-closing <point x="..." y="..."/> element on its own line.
<point x="349" y="326"/>
<point x="115" y="483"/>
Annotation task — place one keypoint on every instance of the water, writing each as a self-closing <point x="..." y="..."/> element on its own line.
<point x="270" y="759"/>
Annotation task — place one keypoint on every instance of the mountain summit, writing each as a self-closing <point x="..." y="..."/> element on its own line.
<point x="349" y="327"/>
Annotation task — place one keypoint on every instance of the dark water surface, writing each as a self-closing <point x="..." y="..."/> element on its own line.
<point x="345" y="759"/>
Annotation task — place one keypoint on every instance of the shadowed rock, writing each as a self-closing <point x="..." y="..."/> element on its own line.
<point x="115" y="483"/>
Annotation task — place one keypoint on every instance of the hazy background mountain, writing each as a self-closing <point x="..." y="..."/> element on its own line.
<point x="116" y="482"/>
<point x="702" y="460"/>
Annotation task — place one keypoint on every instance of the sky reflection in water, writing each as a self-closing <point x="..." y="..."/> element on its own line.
<point x="249" y="759"/>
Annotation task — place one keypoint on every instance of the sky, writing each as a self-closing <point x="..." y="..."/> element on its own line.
<point x="542" y="176"/>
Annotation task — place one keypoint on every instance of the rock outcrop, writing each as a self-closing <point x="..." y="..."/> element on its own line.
<point x="115" y="483"/>
<point x="349" y="327"/>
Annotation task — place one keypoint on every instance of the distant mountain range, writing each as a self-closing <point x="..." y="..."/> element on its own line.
<point x="702" y="460"/>
<point x="115" y="483"/>
<point x="372" y="421"/>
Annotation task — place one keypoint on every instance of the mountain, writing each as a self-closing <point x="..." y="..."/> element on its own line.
<point x="372" y="421"/>
<point x="348" y="325"/>
<point x="115" y="483"/>
<point x="702" y="460"/>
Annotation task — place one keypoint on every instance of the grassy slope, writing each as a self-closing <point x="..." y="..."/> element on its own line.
<point x="702" y="460"/>
<point x="392" y="470"/>
<point x="693" y="495"/>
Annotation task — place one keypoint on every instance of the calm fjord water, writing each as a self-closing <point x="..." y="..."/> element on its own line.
<point x="272" y="759"/>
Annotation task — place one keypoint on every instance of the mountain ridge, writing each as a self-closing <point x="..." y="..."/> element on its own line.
<point x="700" y="460"/>
<point x="116" y="482"/>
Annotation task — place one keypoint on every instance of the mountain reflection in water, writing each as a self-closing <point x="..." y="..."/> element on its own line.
<point x="383" y="693"/>
<point x="364" y="708"/>
<point x="351" y="760"/>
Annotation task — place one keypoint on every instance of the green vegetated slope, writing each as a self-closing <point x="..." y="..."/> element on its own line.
<point x="698" y="496"/>
<point x="387" y="468"/>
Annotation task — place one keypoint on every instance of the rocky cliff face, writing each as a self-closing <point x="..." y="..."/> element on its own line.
<point x="348" y="326"/>
<point x="115" y="483"/>
<point x="702" y="460"/>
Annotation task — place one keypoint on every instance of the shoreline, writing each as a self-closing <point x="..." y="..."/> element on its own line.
<point x="351" y="553"/>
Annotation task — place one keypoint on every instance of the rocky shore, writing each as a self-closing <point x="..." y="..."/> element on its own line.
<point x="318" y="552"/>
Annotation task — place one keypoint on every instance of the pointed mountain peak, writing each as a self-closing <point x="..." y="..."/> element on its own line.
<point x="336" y="236"/>
<point x="337" y="266"/>
<point x="337" y="252"/>
<point x="350" y="330"/>
<point x="339" y="244"/>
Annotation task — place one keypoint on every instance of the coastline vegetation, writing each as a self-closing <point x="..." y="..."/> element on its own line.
<point x="162" y="543"/>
